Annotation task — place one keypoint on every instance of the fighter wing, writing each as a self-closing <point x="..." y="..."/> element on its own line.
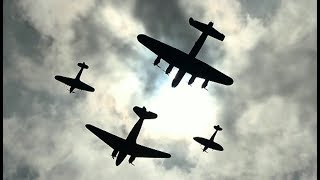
<point x="84" y="86"/>
<point x="210" y="144"/>
<point x="65" y="80"/>
<point x="203" y="70"/>
<point x="142" y="151"/>
<point x="110" y="139"/>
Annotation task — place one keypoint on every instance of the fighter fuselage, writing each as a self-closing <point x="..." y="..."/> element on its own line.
<point x="211" y="140"/>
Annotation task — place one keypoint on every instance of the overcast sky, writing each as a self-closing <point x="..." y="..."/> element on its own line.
<point x="268" y="115"/>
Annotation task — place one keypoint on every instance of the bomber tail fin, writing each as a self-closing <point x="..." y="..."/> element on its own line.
<point x="83" y="65"/>
<point x="143" y="113"/>
<point x="206" y="28"/>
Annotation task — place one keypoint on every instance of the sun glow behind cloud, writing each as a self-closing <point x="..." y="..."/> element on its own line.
<point x="183" y="111"/>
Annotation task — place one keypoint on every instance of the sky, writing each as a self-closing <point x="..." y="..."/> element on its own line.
<point x="268" y="116"/>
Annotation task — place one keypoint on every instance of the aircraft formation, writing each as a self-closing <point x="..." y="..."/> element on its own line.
<point x="187" y="63"/>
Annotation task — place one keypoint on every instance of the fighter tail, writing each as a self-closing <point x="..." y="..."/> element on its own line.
<point x="83" y="65"/>
<point x="217" y="128"/>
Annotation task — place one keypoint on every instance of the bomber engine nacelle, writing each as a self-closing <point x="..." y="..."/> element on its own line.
<point x="114" y="153"/>
<point x="205" y="83"/>
<point x="157" y="61"/>
<point x="169" y="69"/>
<point x="131" y="159"/>
<point x="191" y="80"/>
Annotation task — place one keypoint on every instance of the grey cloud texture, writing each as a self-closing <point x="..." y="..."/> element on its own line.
<point x="264" y="10"/>
<point x="268" y="115"/>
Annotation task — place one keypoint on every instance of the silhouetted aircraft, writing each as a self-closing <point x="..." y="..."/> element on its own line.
<point x="76" y="83"/>
<point x="188" y="62"/>
<point x="209" y="143"/>
<point x="124" y="147"/>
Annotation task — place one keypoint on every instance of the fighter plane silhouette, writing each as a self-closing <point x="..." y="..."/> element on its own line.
<point x="128" y="146"/>
<point x="76" y="83"/>
<point x="210" y="143"/>
<point x="188" y="62"/>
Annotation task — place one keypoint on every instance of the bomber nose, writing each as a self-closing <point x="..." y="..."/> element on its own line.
<point x="191" y="20"/>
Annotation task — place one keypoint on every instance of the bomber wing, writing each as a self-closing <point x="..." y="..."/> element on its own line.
<point x="210" y="144"/>
<point x="203" y="70"/>
<point x="142" y="151"/>
<point x="112" y="140"/>
<point x="170" y="54"/>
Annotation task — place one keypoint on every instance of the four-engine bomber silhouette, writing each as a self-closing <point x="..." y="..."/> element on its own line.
<point x="76" y="83"/>
<point x="209" y="143"/>
<point x="124" y="147"/>
<point x="188" y="62"/>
